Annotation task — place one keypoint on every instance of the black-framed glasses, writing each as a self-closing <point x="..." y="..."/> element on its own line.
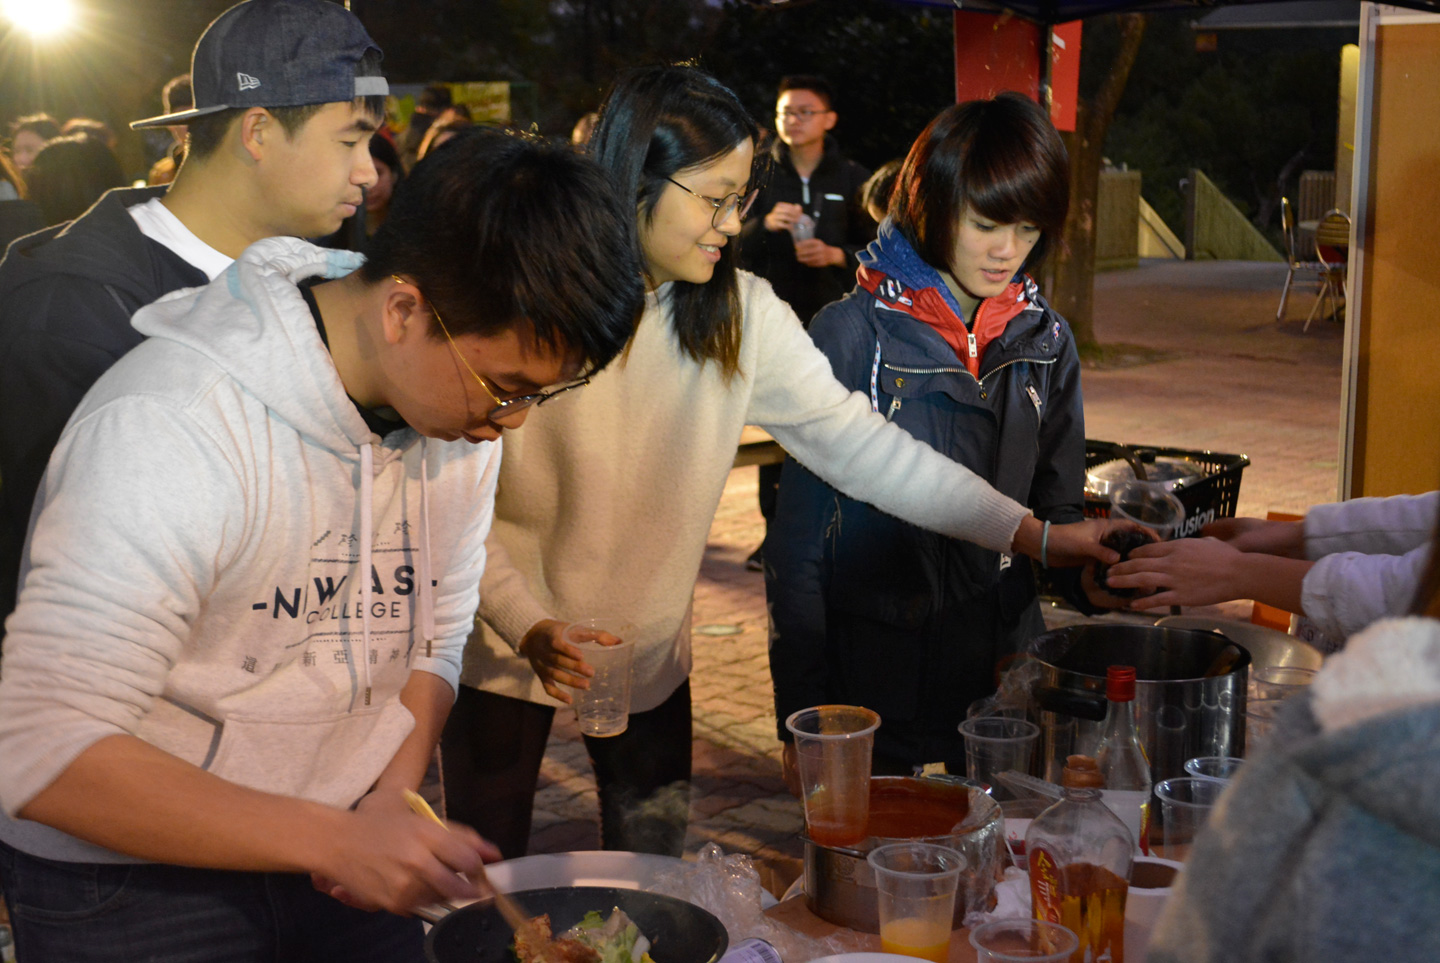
<point x="724" y="206"/>
<point x="505" y="409"/>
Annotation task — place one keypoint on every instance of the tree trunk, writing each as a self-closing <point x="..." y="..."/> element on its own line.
<point x="1073" y="290"/>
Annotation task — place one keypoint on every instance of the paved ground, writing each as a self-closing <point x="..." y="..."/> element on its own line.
<point x="1206" y="366"/>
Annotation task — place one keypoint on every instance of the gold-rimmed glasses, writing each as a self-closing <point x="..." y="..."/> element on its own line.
<point x="506" y="409"/>
<point x="724" y="206"/>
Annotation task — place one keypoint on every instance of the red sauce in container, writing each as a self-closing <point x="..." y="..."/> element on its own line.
<point x="906" y="809"/>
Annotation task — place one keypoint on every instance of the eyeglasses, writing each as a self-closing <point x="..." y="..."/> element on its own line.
<point x="724" y="205"/>
<point x="798" y="113"/>
<point x="506" y="409"/>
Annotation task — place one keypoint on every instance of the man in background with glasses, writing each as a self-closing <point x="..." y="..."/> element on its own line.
<point x="814" y="222"/>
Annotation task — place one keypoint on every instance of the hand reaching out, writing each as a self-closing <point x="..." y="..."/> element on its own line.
<point x="1186" y="571"/>
<point x="1259" y="535"/>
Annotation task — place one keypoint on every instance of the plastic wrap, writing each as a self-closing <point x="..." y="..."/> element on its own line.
<point x="729" y="887"/>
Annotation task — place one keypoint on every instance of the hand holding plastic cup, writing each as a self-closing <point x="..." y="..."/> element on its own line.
<point x="997" y="744"/>
<point x="604" y="708"/>
<point x="1148" y="505"/>
<point x="803" y="228"/>
<point x="915" y="884"/>
<point x="833" y="745"/>
<point x="1185" y="806"/>
<point x="1034" y="941"/>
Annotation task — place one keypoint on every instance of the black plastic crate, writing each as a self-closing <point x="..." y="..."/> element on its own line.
<point x="1213" y="496"/>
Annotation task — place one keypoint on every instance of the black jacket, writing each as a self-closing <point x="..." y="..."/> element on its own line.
<point x="833" y="200"/>
<point x="870" y="610"/>
<point x="66" y="297"/>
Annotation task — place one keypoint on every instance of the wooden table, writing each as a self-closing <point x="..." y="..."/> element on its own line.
<point x="758" y="448"/>
<point x="795" y="914"/>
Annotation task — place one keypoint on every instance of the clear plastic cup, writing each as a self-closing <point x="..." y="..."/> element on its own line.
<point x="1151" y="880"/>
<point x="1259" y="720"/>
<point x="1034" y="941"/>
<point x="998" y="744"/>
<point x="915" y="885"/>
<point x="1148" y="504"/>
<point x="604" y="708"/>
<point x="1219" y="768"/>
<point x="1280" y="681"/>
<point x="1185" y="806"/>
<point x="833" y="745"/>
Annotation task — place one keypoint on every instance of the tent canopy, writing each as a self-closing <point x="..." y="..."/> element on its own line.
<point x="1061" y="11"/>
<point x="1289" y="15"/>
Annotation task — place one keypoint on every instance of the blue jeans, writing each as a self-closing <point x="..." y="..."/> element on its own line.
<point x="84" y="912"/>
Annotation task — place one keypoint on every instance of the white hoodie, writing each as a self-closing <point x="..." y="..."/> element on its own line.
<point x="224" y="558"/>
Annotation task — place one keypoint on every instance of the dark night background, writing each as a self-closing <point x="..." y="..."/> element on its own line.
<point x="1262" y="104"/>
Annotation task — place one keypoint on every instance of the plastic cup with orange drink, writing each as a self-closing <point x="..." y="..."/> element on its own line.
<point x="915" y="885"/>
<point x="833" y="745"/>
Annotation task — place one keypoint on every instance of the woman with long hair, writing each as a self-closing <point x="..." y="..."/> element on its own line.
<point x="606" y="498"/>
<point x="950" y="339"/>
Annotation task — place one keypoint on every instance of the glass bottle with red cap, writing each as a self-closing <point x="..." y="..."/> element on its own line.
<point x="1121" y="758"/>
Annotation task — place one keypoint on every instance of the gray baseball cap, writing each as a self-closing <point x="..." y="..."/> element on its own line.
<point x="277" y="53"/>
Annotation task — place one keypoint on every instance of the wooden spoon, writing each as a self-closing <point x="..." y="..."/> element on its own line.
<point x="509" y="909"/>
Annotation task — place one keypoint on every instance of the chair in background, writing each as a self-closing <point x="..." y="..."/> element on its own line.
<point x="1292" y="255"/>
<point x="1314" y="195"/>
<point x="1332" y="251"/>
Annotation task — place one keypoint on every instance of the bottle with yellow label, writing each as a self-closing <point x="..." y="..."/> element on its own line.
<point x="1080" y="855"/>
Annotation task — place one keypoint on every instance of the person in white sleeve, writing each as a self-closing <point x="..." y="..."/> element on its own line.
<point x="1344" y="565"/>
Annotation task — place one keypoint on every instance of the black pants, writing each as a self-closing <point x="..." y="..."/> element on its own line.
<point x="493" y="745"/>
<point x="769" y="489"/>
<point x="106" y="912"/>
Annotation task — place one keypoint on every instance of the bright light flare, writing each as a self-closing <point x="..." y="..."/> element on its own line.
<point x="40" y="18"/>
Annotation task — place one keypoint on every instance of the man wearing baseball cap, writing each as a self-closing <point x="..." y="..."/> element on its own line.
<point x="287" y="95"/>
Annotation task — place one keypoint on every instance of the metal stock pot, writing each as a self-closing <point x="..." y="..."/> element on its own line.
<point x="1189" y="692"/>
<point x="839" y="883"/>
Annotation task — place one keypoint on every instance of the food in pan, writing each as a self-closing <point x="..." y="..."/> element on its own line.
<point x="594" y="939"/>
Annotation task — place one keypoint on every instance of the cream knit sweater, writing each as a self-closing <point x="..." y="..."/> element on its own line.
<point x="606" y="495"/>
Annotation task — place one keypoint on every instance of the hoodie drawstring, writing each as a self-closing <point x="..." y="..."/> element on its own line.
<point x="427" y="589"/>
<point x="425" y="601"/>
<point x="367" y="534"/>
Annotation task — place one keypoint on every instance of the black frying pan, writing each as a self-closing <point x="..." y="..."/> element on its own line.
<point x="679" y="932"/>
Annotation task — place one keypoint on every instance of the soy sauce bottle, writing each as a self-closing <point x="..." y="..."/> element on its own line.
<point x="1121" y="758"/>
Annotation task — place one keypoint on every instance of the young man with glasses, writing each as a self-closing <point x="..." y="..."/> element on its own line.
<point x="255" y="561"/>
<point x="812" y="189"/>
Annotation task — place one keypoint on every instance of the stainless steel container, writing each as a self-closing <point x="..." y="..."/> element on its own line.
<point x="840" y="886"/>
<point x="1189" y="692"/>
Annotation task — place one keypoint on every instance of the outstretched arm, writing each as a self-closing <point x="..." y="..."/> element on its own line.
<point x="834" y="433"/>
<point x="1205" y="571"/>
